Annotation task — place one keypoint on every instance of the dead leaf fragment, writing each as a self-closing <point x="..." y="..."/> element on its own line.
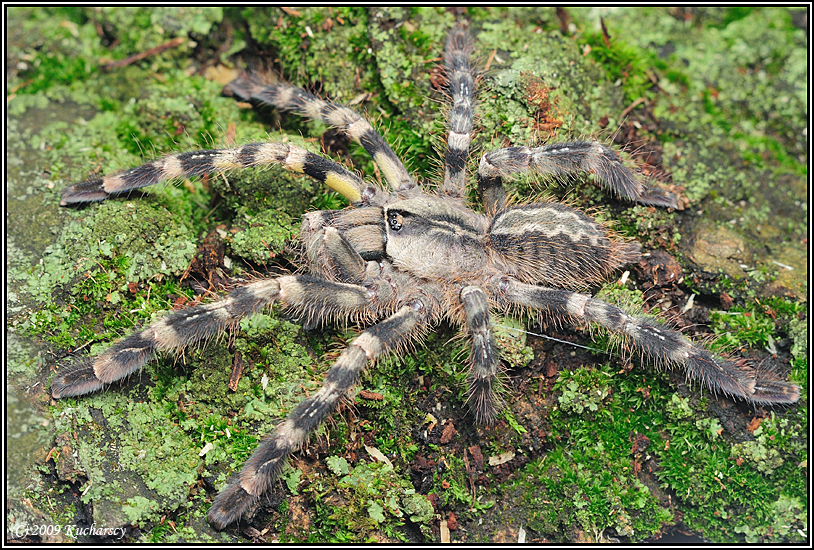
<point x="378" y="455"/>
<point x="445" y="532"/>
<point x="502" y="458"/>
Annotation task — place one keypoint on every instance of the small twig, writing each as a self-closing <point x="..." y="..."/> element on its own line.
<point x="174" y="43"/>
<point x="632" y="106"/>
<point x="489" y="61"/>
<point x="605" y="34"/>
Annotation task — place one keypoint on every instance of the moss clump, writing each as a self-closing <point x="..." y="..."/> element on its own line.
<point x="119" y="253"/>
<point x="154" y="442"/>
<point x="369" y="503"/>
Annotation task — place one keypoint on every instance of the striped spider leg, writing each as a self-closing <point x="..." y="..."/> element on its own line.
<point x="655" y="341"/>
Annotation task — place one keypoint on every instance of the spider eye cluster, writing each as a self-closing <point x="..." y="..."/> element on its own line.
<point x="394" y="220"/>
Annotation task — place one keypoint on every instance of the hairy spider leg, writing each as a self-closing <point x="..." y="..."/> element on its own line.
<point x="335" y="258"/>
<point x="363" y="232"/>
<point x="484" y="358"/>
<point x="560" y="160"/>
<point x="290" y="98"/>
<point x="462" y="91"/>
<point x="267" y="461"/>
<point x="656" y="341"/>
<point x="199" y="163"/>
<point x="309" y="295"/>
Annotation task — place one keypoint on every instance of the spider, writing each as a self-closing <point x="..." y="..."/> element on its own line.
<point x="403" y="258"/>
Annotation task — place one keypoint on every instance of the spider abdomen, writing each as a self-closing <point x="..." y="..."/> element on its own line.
<point x="556" y="244"/>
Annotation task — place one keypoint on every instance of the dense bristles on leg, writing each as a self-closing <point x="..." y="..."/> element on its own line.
<point x="362" y="228"/>
<point x="267" y="461"/>
<point x="490" y="187"/>
<point x="484" y="360"/>
<point x="173" y="332"/>
<point x="655" y="341"/>
<point x="76" y="379"/>
<point x="314" y="298"/>
<point x="462" y="92"/>
<point x="198" y="163"/>
<point x="563" y="159"/>
<point x="770" y="388"/>
<point x="289" y="98"/>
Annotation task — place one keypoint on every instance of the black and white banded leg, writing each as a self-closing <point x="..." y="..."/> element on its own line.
<point x="561" y="160"/>
<point x="289" y="98"/>
<point x="199" y="163"/>
<point x="314" y="298"/>
<point x="484" y="359"/>
<point x="462" y="92"/>
<point x="662" y="344"/>
<point x="265" y="464"/>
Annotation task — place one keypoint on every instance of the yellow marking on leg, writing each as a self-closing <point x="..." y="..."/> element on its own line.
<point x="343" y="186"/>
<point x="389" y="170"/>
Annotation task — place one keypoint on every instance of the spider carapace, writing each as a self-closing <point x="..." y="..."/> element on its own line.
<point x="403" y="257"/>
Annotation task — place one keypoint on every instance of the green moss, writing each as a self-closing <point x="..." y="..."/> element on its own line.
<point x="454" y="489"/>
<point x="120" y="253"/>
<point x="587" y="501"/>
<point x="265" y="236"/>
<point x="330" y="54"/>
<point x="156" y="440"/>
<point x="367" y="503"/>
<point x="52" y="47"/>
<point x="418" y="508"/>
<point x="123" y="481"/>
<point x="730" y="109"/>
<point x="511" y="337"/>
<point x="738" y="482"/>
<point x="760" y="324"/>
<point x="591" y="486"/>
<point x="580" y="396"/>
<point x="581" y="95"/>
<point x="138" y="30"/>
<point x="624" y="64"/>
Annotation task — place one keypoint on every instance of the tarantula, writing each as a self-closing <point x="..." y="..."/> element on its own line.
<point x="406" y="258"/>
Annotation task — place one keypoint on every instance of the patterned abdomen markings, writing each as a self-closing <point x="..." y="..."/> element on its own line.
<point x="556" y="244"/>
